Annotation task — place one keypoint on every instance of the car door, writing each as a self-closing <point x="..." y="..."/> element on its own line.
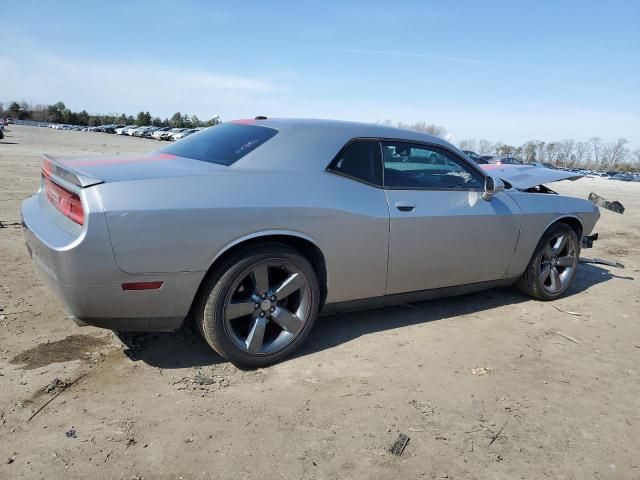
<point x="356" y="239"/>
<point x="442" y="233"/>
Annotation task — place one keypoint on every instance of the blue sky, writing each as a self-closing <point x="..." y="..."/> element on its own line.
<point x="495" y="70"/>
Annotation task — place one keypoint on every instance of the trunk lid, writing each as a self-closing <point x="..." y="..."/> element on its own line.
<point x="88" y="171"/>
<point x="524" y="177"/>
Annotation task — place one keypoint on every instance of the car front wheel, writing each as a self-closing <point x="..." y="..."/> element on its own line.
<point x="259" y="305"/>
<point x="553" y="267"/>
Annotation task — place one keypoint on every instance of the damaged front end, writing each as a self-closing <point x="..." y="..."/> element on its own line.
<point x="533" y="179"/>
<point x="541" y="189"/>
<point x="529" y="178"/>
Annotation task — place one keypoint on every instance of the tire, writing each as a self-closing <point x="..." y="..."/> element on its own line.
<point x="552" y="268"/>
<point x="253" y="318"/>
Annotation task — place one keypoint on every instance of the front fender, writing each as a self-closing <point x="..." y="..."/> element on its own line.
<point x="539" y="212"/>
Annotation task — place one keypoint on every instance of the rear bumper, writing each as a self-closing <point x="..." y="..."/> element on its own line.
<point x="83" y="275"/>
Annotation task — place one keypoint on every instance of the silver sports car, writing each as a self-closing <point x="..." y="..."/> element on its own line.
<point x="254" y="227"/>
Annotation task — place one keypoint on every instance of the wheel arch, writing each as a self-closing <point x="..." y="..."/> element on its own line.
<point x="572" y="220"/>
<point x="304" y="244"/>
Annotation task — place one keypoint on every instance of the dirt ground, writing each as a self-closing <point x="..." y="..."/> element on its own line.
<point x="557" y="393"/>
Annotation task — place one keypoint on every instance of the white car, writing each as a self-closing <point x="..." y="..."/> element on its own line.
<point x="121" y="130"/>
<point x="129" y="131"/>
<point x="157" y="135"/>
<point x="172" y="135"/>
<point x="185" y="133"/>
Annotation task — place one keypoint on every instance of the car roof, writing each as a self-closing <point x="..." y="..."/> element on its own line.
<point x="365" y="129"/>
<point x="302" y="142"/>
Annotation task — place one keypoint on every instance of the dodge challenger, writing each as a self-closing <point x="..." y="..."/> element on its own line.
<point x="253" y="228"/>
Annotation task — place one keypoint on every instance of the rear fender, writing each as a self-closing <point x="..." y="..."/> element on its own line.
<point x="264" y="233"/>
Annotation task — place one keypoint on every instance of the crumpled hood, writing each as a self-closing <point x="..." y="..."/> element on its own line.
<point x="523" y="177"/>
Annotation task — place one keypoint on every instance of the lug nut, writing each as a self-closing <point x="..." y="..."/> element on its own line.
<point x="262" y="314"/>
<point x="264" y="295"/>
<point x="273" y="298"/>
<point x="272" y="309"/>
<point x="257" y="305"/>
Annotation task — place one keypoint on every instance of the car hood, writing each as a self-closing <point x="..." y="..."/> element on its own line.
<point x="523" y="177"/>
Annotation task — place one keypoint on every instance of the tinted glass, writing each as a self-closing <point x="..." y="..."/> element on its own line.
<point x="222" y="144"/>
<point x="416" y="166"/>
<point x="360" y="160"/>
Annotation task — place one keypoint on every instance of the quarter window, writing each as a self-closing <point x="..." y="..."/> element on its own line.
<point x="360" y="160"/>
<point x="414" y="166"/>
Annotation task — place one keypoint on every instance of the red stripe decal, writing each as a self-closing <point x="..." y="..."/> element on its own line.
<point x="244" y="121"/>
<point x="84" y="162"/>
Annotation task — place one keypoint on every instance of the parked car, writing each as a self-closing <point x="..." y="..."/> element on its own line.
<point x="148" y="132"/>
<point x="166" y="133"/>
<point x="120" y="130"/>
<point x="108" y="128"/>
<point x="624" y="177"/>
<point x="140" y="130"/>
<point x="474" y="156"/>
<point x="159" y="132"/>
<point x="172" y="136"/>
<point x="505" y="160"/>
<point x="185" y="133"/>
<point x="235" y="224"/>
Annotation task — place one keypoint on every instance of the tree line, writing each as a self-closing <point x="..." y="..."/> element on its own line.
<point x="593" y="154"/>
<point x="59" y="113"/>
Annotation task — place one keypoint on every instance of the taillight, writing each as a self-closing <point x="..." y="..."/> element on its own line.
<point x="67" y="203"/>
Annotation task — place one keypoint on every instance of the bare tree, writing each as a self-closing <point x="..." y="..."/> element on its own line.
<point x="507" y="150"/>
<point x="540" y="151"/>
<point x="565" y="149"/>
<point x="613" y="153"/>
<point x="581" y="153"/>
<point x="596" y="151"/>
<point x="551" y="152"/>
<point x="422" y="127"/>
<point x="529" y="151"/>
<point x="593" y="153"/>
<point x="468" y="145"/>
<point x="484" y="147"/>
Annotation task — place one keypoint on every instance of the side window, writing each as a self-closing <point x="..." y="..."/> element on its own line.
<point x="360" y="160"/>
<point x="413" y="166"/>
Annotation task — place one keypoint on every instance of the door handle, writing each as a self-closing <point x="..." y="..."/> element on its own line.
<point x="405" y="206"/>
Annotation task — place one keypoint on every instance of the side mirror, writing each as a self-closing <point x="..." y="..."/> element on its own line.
<point x="492" y="185"/>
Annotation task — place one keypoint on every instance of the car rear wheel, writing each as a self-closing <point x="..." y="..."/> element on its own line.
<point x="259" y="305"/>
<point x="553" y="267"/>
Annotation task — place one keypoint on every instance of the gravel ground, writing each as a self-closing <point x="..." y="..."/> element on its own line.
<point x="555" y="393"/>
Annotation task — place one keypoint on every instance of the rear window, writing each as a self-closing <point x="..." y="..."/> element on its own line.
<point x="223" y="144"/>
